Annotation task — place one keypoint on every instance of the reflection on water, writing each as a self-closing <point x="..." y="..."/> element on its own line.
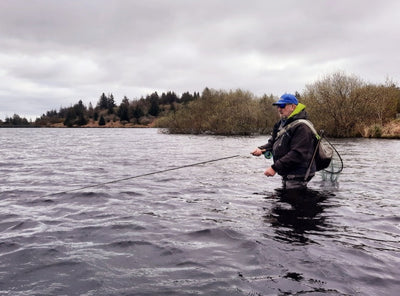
<point x="295" y="212"/>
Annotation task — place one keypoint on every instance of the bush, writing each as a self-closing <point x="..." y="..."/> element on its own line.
<point x="341" y="104"/>
<point x="220" y="112"/>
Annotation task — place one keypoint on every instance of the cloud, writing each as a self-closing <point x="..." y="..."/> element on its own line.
<point x="53" y="53"/>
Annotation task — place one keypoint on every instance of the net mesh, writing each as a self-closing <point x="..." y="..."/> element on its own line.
<point x="332" y="172"/>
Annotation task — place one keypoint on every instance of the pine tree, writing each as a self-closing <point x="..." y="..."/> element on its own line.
<point x="110" y="104"/>
<point x="103" y="102"/>
<point x="138" y="112"/>
<point x="123" y="110"/>
<point x="102" y="121"/>
<point x="154" y="104"/>
<point x="70" y="117"/>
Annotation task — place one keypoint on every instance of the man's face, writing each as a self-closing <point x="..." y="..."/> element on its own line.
<point x="286" y="110"/>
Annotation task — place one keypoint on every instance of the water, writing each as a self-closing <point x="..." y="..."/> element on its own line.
<point x="220" y="228"/>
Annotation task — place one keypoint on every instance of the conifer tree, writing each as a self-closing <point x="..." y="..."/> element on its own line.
<point x="138" y="112"/>
<point x="154" y="104"/>
<point x="123" y="110"/>
<point x="103" y="102"/>
<point x="102" y="121"/>
<point x="110" y="104"/>
<point x="70" y="117"/>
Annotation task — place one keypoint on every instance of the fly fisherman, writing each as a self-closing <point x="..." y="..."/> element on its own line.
<point x="292" y="145"/>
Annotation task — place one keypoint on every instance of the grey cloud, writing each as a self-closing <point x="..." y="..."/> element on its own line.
<point x="56" y="52"/>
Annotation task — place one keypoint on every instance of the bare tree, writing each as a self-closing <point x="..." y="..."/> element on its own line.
<point x="332" y="106"/>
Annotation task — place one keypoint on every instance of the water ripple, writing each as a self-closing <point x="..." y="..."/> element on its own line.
<point x="214" y="229"/>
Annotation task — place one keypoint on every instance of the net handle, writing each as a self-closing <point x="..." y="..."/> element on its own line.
<point x="321" y="135"/>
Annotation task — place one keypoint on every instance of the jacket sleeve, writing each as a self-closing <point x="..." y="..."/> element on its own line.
<point x="268" y="146"/>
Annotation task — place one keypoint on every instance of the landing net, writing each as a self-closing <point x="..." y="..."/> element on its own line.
<point x="332" y="172"/>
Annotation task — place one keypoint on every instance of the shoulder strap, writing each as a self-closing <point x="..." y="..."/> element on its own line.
<point x="296" y="122"/>
<point x="311" y="126"/>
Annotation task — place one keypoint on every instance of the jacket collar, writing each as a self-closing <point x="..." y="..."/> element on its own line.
<point x="300" y="107"/>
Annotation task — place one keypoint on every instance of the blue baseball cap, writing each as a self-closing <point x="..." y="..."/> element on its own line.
<point x="287" y="99"/>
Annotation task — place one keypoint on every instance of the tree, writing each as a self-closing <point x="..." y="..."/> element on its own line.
<point x="106" y="103"/>
<point x="154" y="104"/>
<point x="380" y="103"/>
<point x="103" y="102"/>
<point x="266" y="114"/>
<point x="344" y="106"/>
<point x="102" y="121"/>
<point x="186" y="98"/>
<point x="16" y="120"/>
<point x="81" y="120"/>
<point x="218" y="112"/>
<point x="168" y="98"/>
<point x="110" y="104"/>
<point x="137" y="112"/>
<point x="332" y="105"/>
<point x="76" y="115"/>
<point x="70" y="117"/>
<point x="123" y="110"/>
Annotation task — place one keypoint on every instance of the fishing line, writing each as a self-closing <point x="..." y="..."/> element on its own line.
<point x="142" y="175"/>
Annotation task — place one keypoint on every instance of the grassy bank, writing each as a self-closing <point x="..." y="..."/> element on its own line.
<point x="390" y="130"/>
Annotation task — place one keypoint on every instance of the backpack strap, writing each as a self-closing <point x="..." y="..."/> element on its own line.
<point x="296" y="122"/>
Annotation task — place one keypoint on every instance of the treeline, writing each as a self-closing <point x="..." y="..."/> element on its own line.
<point x="136" y="112"/>
<point x="142" y="112"/>
<point x="342" y="105"/>
<point x="16" y="120"/>
<point x="224" y="113"/>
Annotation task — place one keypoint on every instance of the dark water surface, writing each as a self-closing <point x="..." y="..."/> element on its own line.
<point x="220" y="228"/>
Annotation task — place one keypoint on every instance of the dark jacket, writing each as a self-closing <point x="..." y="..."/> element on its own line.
<point x="293" y="150"/>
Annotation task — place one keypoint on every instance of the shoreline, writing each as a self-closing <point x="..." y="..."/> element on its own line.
<point x="390" y="130"/>
<point x="383" y="137"/>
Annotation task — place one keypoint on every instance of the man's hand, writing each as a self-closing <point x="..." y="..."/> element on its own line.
<point x="269" y="172"/>
<point x="257" y="152"/>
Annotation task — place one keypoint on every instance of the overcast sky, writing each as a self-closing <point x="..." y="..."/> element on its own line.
<point x="55" y="53"/>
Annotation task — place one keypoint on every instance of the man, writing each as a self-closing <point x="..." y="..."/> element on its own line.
<point x="292" y="145"/>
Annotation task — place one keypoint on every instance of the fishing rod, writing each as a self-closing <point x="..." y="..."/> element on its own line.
<point x="141" y="175"/>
